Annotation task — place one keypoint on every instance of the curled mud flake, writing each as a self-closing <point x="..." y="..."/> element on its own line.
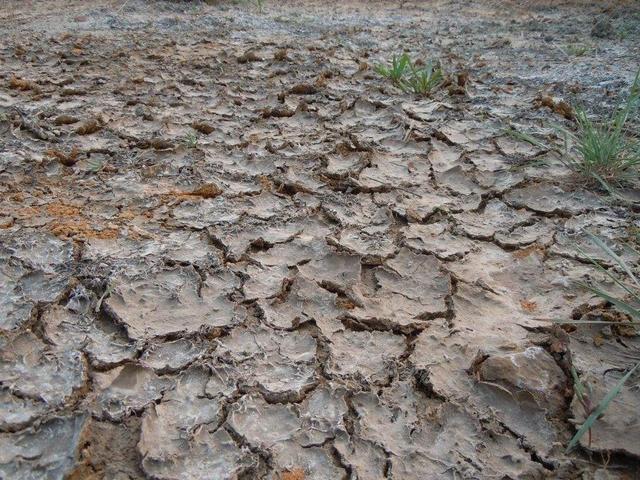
<point x="489" y="162"/>
<point x="203" y="127"/>
<point x="280" y="364"/>
<point x="458" y="180"/>
<point x="174" y="355"/>
<point x="105" y="343"/>
<point x="496" y="217"/>
<point x="515" y="148"/>
<point x="126" y="390"/>
<point x="466" y="133"/>
<point x="373" y="244"/>
<point x="48" y="450"/>
<point x="249" y="56"/>
<point x="220" y="211"/>
<point x="160" y="144"/>
<point x="368" y="460"/>
<point x="37" y="380"/>
<point x="208" y="190"/>
<point x="65" y="120"/>
<point x="560" y="107"/>
<point x="204" y="453"/>
<point x="33" y="268"/>
<point x="281" y="55"/>
<point x="181" y="246"/>
<point x="263" y="424"/>
<point x="441" y="361"/>
<point x="540" y="233"/>
<point x="172" y="302"/>
<point x="15" y="309"/>
<point x="422" y="449"/>
<point x="299" y="250"/>
<point x="66" y="159"/>
<point x="356" y="211"/>
<point x="303" y="89"/>
<point x="90" y="126"/>
<point x="387" y="173"/>
<point x="342" y="165"/>
<point x="183" y="409"/>
<point x="301" y="302"/>
<point x="364" y="356"/>
<point x="71" y="91"/>
<point x="334" y="270"/>
<point x="264" y="282"/>
<point x="436" y="239"/>
<point x="570" y="239"/>
<point x="280" y="111"/>
<point x="408" y="290"/>
<point x="40" y="251"/>
<point x="238" y="238"/>
<point x="322" y="413"/>
<point x="23" y="84"/>
<point x="444" y="156"/>
<point x="550" y="199"/>
<point x="222" y="382"/>
<point x="417" y="205"/>
<point x="532" y="370"/>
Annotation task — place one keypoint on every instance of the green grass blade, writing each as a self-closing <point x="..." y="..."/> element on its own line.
<point x="613" y="255"/>
<point x="562" y="321"/>
<point x="602" y="406"/>
<point x="577" y="383"/>
<point x="525" y="137"/>
<point x="624" y="306"/>
<point x="608" y="274"/>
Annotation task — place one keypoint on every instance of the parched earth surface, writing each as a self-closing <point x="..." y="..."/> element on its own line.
<point x="229" y="250"/>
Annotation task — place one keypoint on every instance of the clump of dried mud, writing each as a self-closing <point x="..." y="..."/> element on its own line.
<point x="229" y="250"/>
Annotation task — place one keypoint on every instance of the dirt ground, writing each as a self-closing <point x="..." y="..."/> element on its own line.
<point x="230" y="250"/>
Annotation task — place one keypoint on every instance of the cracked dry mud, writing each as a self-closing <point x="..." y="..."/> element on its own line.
<point x="230" y="251"/>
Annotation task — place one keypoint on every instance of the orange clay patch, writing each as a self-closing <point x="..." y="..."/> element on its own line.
<point x="525" y="252"/>
<point x="27" y="212"/>
<point x="58" y="209"/>
<point x="295" y="474"/>
<point x="126" y="215"/>
<point x="528" y="306"/>
<point x="345" y="303"/>
<point x="80" y="229"/>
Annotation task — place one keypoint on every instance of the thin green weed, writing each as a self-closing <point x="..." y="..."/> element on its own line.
<point x="604" y="152"/>
<point x="409" y="77"/>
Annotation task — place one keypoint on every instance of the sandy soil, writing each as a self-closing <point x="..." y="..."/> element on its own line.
<point x="229" y="250"/>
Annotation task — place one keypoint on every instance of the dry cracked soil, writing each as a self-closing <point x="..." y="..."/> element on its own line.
<point x="230" y="250"/>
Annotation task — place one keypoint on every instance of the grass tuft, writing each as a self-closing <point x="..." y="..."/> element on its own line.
<point x="605" y="152"/>
<point x="596" y="412"/>
<point x="190" y="140"/>
<point x="628" y="305"/>
<point x="578" y="49"/>
<point x="423" y="80"/>
<point x="409" y="77"/>
<point x="396" y="72"/>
